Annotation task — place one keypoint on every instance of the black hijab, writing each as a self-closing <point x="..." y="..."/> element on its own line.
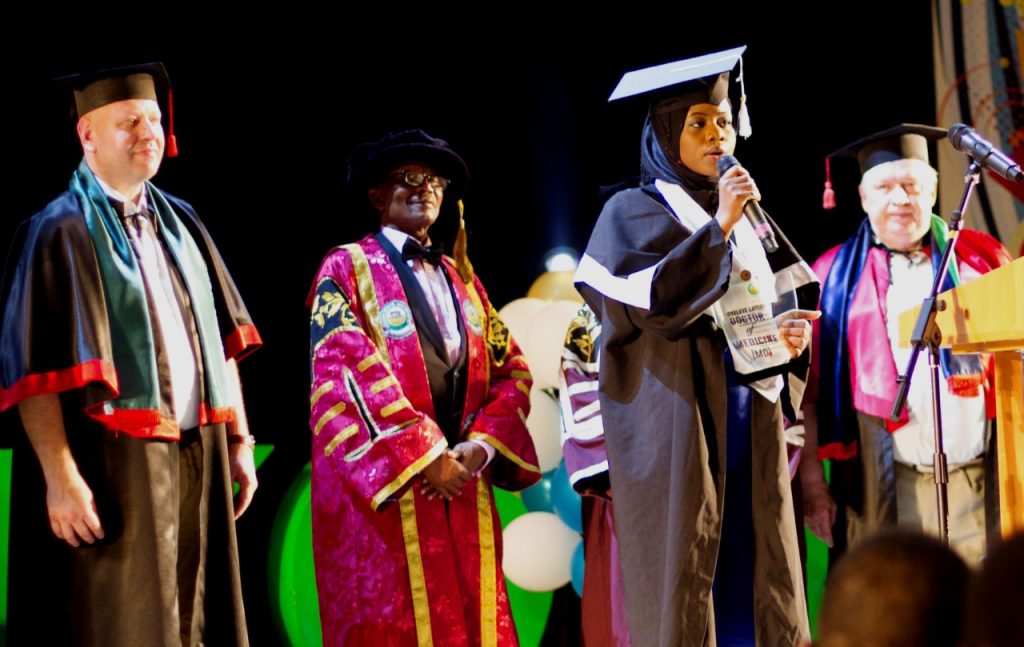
<point x="659" y="151"/>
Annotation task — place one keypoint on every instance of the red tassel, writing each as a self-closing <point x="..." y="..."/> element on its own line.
<point x="894" y="425"/>
<point x="172" y="141"/>
<point x="965" y="386"/>
<point x="828" y="198"/>
<point x="837" y="451"/>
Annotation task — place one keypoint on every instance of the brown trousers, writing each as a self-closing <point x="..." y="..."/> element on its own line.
<point x="166" y="573"/>
<point x="895" y="494"/>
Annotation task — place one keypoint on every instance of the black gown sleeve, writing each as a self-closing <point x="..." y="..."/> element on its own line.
<point x="635" y="232"/>
<point x="237" y="330"/>
<point x="55" y="334"/>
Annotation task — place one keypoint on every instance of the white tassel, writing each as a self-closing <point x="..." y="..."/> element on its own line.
<point x="743" y="117"/>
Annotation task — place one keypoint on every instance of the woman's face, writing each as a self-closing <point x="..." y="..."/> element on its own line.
<point x="707" y="135"/>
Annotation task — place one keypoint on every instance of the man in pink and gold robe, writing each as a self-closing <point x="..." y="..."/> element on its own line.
<point x="418" y="405"/>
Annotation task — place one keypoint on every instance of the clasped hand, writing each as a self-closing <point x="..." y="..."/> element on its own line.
<point x="447" y="473"/>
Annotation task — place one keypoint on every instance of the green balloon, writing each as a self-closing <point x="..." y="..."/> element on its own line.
<point x="530" y="609"/>
<point x="5" y="532"/>
<point x="259" y="454"/>
<point x="817" y="570"/>
<point x="510" y="505"/>
<point x="290" y="568"/>
<point x="293" y="582"/>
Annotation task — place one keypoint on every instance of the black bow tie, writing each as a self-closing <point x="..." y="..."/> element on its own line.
<point x="413" y="250"/>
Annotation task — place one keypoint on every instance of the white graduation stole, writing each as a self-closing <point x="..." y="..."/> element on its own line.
<point x="744" y="313"/>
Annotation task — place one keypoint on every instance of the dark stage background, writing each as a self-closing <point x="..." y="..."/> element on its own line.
<point x="267" y="114"/>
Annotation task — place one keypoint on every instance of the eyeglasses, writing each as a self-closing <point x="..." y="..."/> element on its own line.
<point x="416" y="178"/>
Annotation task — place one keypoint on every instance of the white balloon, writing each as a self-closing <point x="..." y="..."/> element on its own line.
<point x="518" y="314"/>
<point x="544" y="425"/>
<point x="543" y="344"/>
<point x="538" y="551"/>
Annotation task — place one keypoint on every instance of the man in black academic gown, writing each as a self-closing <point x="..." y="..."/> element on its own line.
<point x="119" y="316"/>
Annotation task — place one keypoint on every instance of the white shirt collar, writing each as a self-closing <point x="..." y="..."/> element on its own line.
<point x="130" y="208"/>
<point x="395" y="237"/>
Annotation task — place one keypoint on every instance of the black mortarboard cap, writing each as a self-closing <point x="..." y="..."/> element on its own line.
<point x="96" y="88"/>
<point x="905" y="141"/>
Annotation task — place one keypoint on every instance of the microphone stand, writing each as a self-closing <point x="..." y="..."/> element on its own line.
<point x="927" y="334"/>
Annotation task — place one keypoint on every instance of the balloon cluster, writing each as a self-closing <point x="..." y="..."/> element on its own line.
<point x="543" y="546"/>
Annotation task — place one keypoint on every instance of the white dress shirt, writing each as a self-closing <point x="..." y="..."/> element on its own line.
<point x="434" y="283"/>
<point x="963" y="419"/>
<point x="170" y="311"/>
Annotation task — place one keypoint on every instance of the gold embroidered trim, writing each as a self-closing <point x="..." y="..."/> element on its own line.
<point x="504" y="450"/>
<point x="328" y="416"/>
<point x="369" y="361"/>
<point x="319" y="393"/>
<point x="394" y="407"/>
<point x="382" y="384"/>
<point x="488" y="567"/>
<point x="341" y="437"/>
<point x="417" y="580"/>
<point x="368" y="298"/>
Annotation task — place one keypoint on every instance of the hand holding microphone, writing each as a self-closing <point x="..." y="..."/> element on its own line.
<point x="967" y="140"/>
<point x="735" y="186"/>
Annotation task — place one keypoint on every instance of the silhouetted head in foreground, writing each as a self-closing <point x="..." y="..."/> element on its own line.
<point x="896" y="589"/>
<point x="997" y="598"/>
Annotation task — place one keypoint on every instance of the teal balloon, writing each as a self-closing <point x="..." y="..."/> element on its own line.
<point x="566" y="500"/>
<point x="576" y="569"/>
<point x="537" y="498"/>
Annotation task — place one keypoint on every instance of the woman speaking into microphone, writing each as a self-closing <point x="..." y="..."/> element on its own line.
<point x="702" y="358"/>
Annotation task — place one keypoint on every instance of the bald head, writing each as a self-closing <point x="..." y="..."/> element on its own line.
<point x="123" y="143"/>
<point x="895" y="590"/>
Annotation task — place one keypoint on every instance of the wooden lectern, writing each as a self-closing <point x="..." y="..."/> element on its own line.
<point x="987" y="315"/>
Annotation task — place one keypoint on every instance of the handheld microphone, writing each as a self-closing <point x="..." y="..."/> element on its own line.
<point x="752" y="210"/>
<point x="967" y="140"/>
